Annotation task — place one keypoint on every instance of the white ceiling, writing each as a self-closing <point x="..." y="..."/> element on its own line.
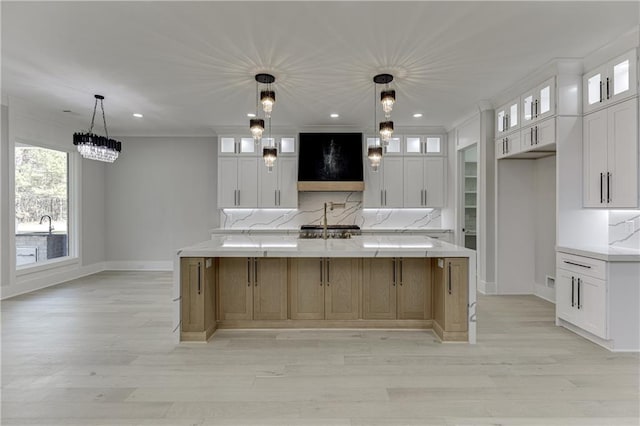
<point x="189" y="66"/>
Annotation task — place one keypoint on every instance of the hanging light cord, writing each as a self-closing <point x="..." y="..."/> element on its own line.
<point x="104" y="119"/>
<point x="257" y="97"/>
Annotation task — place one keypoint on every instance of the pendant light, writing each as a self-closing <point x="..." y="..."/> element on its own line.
<point x="387" y="99"/>
<point x="266" y="98"/>
<point x="94" y="147"/>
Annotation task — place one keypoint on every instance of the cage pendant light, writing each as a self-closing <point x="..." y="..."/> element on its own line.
<point x="95" y="147"/>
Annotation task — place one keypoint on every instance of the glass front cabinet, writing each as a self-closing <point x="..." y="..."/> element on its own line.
<point x="610" y="82"/>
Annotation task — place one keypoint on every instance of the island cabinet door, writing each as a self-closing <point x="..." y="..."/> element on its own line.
<point x="270" y="289"/>
<point x="342" y="287"/>
<point x="450" y="293"/>
<point x="235" y="276"/>
<point x="379" y="288"/>
<point x="192" y="298"/>
<point x="307" y="288"/>
<point x="414" y="288"/>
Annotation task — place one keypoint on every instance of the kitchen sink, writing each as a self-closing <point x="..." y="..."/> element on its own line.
<point x="333" y="231"/>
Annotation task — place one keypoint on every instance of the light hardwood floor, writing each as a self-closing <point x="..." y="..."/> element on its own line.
<point x="99" y="351"/>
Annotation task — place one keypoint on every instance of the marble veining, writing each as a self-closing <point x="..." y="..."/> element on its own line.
<point x="310" y="211"/>
<point x="624" y="228"/>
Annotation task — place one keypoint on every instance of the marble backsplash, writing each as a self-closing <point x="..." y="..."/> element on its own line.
<point x="624" y="228"/>
<point x="310" y="212"/>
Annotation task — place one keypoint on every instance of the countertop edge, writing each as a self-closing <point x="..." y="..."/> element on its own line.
<point x="600" y="254"/>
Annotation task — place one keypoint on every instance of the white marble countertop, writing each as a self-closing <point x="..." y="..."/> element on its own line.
<point x="606" y="253"/>
<point x="292" y="231"/>
<point x="262" y="245"/>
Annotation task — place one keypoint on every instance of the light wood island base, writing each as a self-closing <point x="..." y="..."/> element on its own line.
<point x="316" y="293"/>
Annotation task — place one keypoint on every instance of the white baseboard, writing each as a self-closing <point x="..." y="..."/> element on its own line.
<point x="486" y="287"/>
<point x="48" y="278"/>
<point x="141" y="265"/>
<point x="544" y="292"/>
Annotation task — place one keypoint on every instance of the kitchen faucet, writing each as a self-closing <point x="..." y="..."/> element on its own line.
<point x="331" y="205"/>
<point x="48" y="217"/>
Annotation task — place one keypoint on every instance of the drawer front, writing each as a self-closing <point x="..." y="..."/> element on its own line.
<point x="595" y="268"/>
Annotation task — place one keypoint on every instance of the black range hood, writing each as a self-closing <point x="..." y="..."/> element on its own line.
<point x="330" y="162"/>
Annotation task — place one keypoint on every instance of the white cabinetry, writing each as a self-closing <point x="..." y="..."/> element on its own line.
<point x="599" y="299"/>
<point x="610" y="144"/>
<point x="610" y="82"/>
<point x="423" y="145"/>
<point x="233" y="145"/>
<point x="508" y="145"/>
<point x="507" y="118"/>
<point x="237" y="181"/>
<point x="540" y="135"/>
<point x="384" y="188"/>
<point x="278" y="188"/>
<point x="538" y="103"/>
<point x="581" y="293"/>
<point x="424" y="182"/>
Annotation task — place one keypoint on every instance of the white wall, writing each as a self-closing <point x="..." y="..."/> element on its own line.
<point x="544" y="178"/>
<point x="28" y="124"/>
<point x="160" y="196"/>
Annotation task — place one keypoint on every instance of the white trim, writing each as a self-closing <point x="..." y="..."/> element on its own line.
<point x="34" y="268"/>
<point x="487" y="288"/>
<point x="140" y="265"/>
<point x="43" y="280"/>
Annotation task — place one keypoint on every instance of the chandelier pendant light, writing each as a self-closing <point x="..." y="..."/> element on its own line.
<point x="385" y="128"/>
<point x="95" y="147"/>
<point x="266" y="98"/>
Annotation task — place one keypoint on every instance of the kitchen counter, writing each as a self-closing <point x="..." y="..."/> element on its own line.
<point x="606" y="253"/>
<point x="375" y="245"/>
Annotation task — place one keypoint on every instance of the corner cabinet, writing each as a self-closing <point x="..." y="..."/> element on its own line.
<point x="610" y="154"/>
<point x="450" y="298"/>
<point x="610" y="82"/>
<point x="197" y="298"/>
<point x="424" y="182"/>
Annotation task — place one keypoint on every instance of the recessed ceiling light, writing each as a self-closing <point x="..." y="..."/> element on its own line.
<point x="417" y="115"/>
<point x="334" y="115"/>
<point x="137" y="115"/>
<point x="251" y="115"/>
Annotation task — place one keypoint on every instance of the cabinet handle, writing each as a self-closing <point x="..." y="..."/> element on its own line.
<point x="385" y="197"/>
<point x="506" y="122"/>
<point x="576" y="264"/>
<point x="275" y="197"/>
<point x="400" y="268"/>
<point x="601" y="185"/>
<point x="601" y="85"/>
<point x="381" y="198"/>
<point x="579" y="304"/>
<point x="255" y="271"/>
<point x="238" y="197"/>
<point x="449" y="278"/>
<point x="506" y="145"/>
<point x="422" y="197"/>
<point x="394" y="271"/>
<point x="537" y="140"/>
<point x="608" y="88"/>
<point x="328" y="271"/>
<point x="609" y="176"/>
<point x="572" y="291"/>
<point x="279" y="197"/>
<point x="531" y="136"/>
<point x="536" y="108"/>
<point x="248" y="272"/>
<point x="321" y="267"/>
<point x="198" y="277"/>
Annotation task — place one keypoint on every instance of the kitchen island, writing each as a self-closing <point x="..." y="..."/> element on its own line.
<point x="282" y="281"/>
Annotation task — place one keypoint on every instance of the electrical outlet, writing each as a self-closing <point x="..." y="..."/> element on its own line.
<point x="630" y="227"/>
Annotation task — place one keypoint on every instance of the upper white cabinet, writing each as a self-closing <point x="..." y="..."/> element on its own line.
<point x="237" y="182"/>
<point x="423" y="145"/>
<point x="278" y="187"/>
<point x="610" y="145"/>
<point x="540" y="135"/>
<point x="424" y="182"/>
<point x="286" y="145"/>
<point x="384" y="188"/>
<point x="393" y="148"/>
<point x="610" y="82"/>
<point x="508" y="145"/>
<point x="538" y="103"/>
<point x="507" y="118"/>
<point x="233" y="145"/>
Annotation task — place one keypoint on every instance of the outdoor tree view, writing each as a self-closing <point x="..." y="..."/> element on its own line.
<point x="41" y="203"/>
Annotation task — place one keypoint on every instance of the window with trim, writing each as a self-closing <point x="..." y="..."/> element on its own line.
<point x="41" y="204"/>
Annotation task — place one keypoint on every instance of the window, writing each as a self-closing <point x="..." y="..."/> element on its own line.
<point x="41" y="203"/>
